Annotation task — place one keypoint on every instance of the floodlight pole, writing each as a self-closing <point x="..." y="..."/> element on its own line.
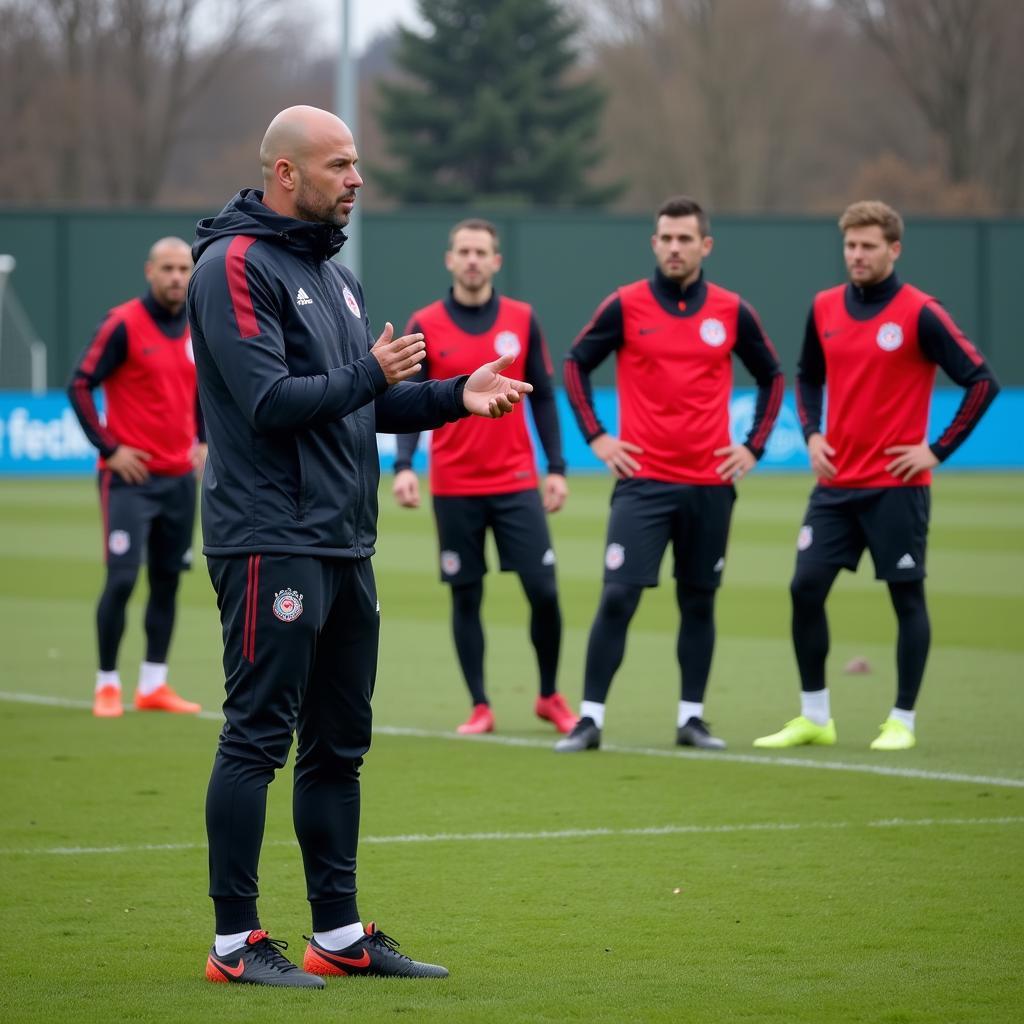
<point x="7" y="265"/>
<point x="346" y="105"/>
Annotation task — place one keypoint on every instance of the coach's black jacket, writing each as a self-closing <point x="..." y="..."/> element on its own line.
<point x="291" y="397"/>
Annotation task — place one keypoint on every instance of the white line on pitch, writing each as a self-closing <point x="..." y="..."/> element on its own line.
<point x="568" y="833"/>
<point x="893" y="771"/>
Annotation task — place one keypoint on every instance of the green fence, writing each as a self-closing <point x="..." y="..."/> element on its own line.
<point x="74" y="265"/>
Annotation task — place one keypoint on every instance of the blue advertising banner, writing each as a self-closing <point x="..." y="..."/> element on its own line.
<point x="39" y="434"/>
<point x="991" y="446"/>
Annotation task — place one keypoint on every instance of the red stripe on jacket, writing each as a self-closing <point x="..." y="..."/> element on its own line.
<point x="238" y="286"/>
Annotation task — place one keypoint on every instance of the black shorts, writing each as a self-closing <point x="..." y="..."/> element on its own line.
<point x="892" y="522"/>
<point x="520" y="532"/>
<point x="150" y="522"/>
<point x="647" y="514"/>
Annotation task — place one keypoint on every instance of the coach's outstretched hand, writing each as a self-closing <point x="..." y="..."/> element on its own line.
<point x="488" y="393"/>
<point x="399" y="358"/>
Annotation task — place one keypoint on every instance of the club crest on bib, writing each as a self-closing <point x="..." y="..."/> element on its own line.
<point x="507" y="344"/>
<point x="189" y="351"/>
<point x="350" y="301"/>
<point x="450" y="563"/>
<point x="712" y="332"/>
<point x="119" y="542"/>
<point x="614" y="556"/>
<point x="889" y="337"/>
<point x="287" y="605"/>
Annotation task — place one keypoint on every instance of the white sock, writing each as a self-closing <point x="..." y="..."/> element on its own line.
<point x="906" y="717"/>
<point x="224" y="944"/>
<point x="594" y="711"/>
<point x="814" y="705"/>
<point x="107" y="679"/>
<point x="689" y="709"/>
<point x="340" y="938"/>
<point x="151" y="677"/>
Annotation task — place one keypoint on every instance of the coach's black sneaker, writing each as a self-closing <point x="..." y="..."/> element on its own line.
<point x="585" y="735"/>
<point x="695" y="734"/>
<point x="375" y="955"/>
<point x="259" y="962"/>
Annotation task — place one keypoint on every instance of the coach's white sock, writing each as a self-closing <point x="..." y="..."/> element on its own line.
<point x="151" y="677"/>
<point x="906" y="717"/>
<point x="104" y="679"/>
<point x="689" y="709"/>
<point x="814" y="705"/>
<point x="224" y="944"/>
<point x="594" y="711"/>
<point x="340" y="938"/>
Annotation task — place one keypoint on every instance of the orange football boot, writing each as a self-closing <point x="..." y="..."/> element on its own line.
<point x="163" y="698"/>
<point x="106" y="703"/>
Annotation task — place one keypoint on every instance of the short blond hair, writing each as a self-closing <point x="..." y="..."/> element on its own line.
<point x="873" y="211"/>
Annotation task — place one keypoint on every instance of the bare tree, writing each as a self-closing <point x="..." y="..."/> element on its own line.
<point x="25" y="99"/>
<point x="708" y="96"/>
<point x="958" y="60"/>
<point x="119" y="77"/>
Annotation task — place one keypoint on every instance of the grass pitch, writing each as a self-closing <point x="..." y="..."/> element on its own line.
<point x="638" y="884"/>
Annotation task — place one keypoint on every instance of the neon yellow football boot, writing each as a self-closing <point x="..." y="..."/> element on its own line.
<point x="894" y="736"/>
<point x="800" y="732"/>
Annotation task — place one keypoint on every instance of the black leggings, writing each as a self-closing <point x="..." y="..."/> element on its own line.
<point x="810" y="587"/>
<point x="545" y="632"/>
<point x="159" y="617"/>
<point x="606" y="647"/>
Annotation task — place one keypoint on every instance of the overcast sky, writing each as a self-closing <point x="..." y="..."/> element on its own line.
<point x="370" y="17"/>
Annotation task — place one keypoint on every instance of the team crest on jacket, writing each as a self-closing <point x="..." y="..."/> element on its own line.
<point x="615" y="556"/>
<point x="507" y="344"/>
<point x="889" y="337"/>
<point x="712" y="332"/>
<point x="350" y="301"/>
<point x="287" y="605"/>
<point x="805" y="538"/>
<point x="450" y="563"/>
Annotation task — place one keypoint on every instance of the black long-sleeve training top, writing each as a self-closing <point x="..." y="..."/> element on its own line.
<point x="291" y="395"/>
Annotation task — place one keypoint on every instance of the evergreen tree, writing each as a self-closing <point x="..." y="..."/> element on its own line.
<point x="488" y="110"/>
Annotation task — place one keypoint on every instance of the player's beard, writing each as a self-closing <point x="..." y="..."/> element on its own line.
<point x="170" y="298"/>
<point x="678" y="273"/>
<point x="313" y="205"/>
<point x="474" y="285"/>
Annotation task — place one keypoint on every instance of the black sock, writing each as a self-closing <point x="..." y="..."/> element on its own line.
<point x="913" y="640"/>
<point x="607" y="643"/>
<point x="468" y="631"/>
<point x="545" y="627"/>
<point x="695" y="643"/>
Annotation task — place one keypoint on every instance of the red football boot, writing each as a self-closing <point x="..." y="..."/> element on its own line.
<point x="553" y="709"/>
<point x="481" y="720"/>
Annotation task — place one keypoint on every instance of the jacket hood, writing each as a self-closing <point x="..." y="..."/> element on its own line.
<point x="246" y="214"/>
